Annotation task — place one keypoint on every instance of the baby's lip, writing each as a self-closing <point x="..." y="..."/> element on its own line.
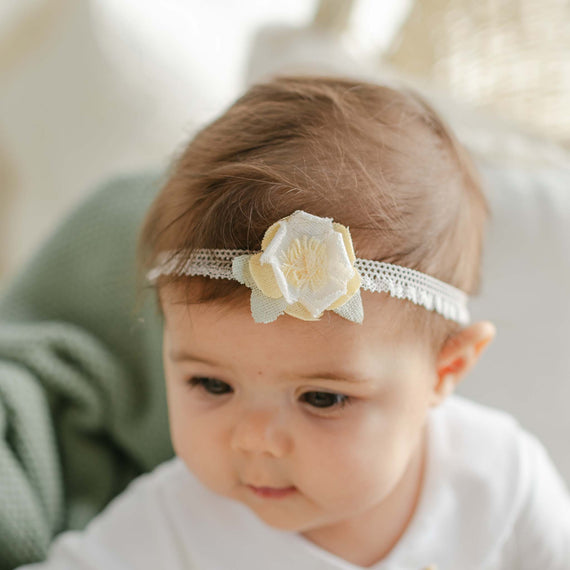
<point x="262" y="485"/>
<point x="270" y="487"/>
<point x="272" y="492"/>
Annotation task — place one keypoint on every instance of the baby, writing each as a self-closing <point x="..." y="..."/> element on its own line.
<point x="313" y="250"/>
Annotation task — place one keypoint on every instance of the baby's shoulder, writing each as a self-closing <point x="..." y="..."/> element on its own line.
<point x="135" y="530"/>
<point x="483" y="444"/>
<point x="480" y="456"/>
<point x="490" y="484"/>
<point x="169" y="486"/>
<point x="465" y="422"/>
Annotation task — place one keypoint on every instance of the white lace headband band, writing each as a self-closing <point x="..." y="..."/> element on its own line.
<point x="307" y="265"/>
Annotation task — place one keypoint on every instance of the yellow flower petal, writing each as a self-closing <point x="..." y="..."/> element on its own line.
<point x="351" y="288"/>
<point x="264" y="277"/>
<point x="347" y="240"/>
<point x="270" y="234"/>
<point x="297" y="310"/>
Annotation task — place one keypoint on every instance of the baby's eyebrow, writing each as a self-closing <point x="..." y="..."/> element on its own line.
<point x="184" y="356"/>
<point x="340" y="376"/>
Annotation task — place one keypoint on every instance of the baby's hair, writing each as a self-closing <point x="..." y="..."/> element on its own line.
<point x="376" y="159"/>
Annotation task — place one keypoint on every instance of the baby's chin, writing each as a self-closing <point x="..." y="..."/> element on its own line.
<point x="288" y="520"/>
<point x="285" y="523"/>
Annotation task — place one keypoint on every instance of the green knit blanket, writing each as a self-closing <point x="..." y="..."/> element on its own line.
<point x="82" y="404"/>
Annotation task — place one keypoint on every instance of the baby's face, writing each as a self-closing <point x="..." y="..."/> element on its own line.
<point x="328" y="416"/>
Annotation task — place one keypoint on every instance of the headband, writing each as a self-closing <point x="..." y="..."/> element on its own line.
<point x="307" y="266"/>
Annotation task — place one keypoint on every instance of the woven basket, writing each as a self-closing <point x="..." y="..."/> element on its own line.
<point x="508" y="56"/>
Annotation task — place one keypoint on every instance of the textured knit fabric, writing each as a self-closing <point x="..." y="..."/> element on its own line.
<point x="491" y="500"/>
<point x="82" y="407"/>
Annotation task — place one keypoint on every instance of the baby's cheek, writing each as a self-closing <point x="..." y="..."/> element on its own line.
<point x="382" y="450"/>
<point x="374" y="465"/>
<point x="195" y="444"/>
<point x="355" y="457"/>
<point x="352" y="482"/>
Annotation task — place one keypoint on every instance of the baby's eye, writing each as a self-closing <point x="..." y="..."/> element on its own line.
<point x="325" y="399"/>
<point x="211" y="385"/>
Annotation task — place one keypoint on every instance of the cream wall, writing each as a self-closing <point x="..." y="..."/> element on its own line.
<point x="93" y="87"/>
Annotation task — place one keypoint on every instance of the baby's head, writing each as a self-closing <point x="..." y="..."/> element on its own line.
<point x="329" y="409"/>
<point x="377" y="160"/>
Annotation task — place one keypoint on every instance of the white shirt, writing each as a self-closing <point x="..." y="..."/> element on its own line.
<point x="491" y="500"/>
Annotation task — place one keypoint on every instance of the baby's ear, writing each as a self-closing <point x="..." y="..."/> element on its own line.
<point x="458" y="355"/>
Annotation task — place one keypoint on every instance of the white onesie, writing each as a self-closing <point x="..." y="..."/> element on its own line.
<point x="491" y="500"/>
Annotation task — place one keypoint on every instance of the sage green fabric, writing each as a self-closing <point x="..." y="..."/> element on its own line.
<point x="82" y="403"/>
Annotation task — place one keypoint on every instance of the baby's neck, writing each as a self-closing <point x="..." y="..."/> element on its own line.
<point x="369" y="538"/>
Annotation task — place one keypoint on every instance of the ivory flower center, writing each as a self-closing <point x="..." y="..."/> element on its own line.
<point x="304" y="263"/>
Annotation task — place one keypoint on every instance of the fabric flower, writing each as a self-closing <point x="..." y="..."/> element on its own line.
<point x="306" y="267"/>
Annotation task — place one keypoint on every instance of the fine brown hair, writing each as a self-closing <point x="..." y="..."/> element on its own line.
<point x="376" y="159"/>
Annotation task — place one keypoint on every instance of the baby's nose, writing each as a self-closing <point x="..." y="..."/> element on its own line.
<point x="261" y="430"/>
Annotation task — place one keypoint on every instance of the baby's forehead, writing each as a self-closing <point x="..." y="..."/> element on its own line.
<point x="229" y="344"/>
<point x="217" y="326"/>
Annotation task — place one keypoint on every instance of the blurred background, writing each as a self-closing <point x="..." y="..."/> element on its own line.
<point x="94" y="88"/>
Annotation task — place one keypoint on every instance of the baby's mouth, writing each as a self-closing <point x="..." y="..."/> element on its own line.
<point x="272" y="492"/>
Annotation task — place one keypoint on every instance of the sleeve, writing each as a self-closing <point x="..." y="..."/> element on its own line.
<point x="541" y="537"/>
<point x="82" y="408"/>
<point x="135" y="532"/>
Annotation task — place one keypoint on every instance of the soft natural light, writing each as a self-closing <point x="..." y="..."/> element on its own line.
<point x="210" y="37"/>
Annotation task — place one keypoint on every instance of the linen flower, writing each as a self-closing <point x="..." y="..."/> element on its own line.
<point x="306" y="267"/>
